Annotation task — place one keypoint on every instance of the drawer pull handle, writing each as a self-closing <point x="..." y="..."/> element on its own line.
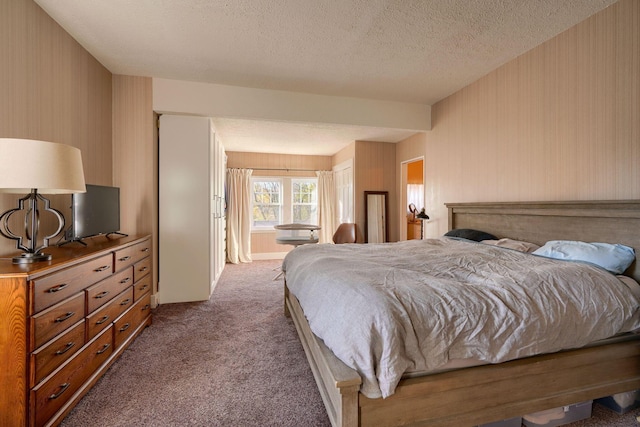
<point x="65" y="317"/>
<point x="144" y="250"/>
<point x="126" y="301"/>
<point x="57" y="288"/>
<point x="63" y="388"/>
<point x="143" y="287"/>
<point x="103" y="268"/>
<point x="101" y="321"/>
<point x="103" y="349"/>
<point x="146" y="307"/>
<point x="143" y="269"/>
<point x="124" y="327"/>
<point x="102" y="294"/>
<point x="66" y="348"/>
<point x="125" y="280"/>
<point x="125" y="258"/>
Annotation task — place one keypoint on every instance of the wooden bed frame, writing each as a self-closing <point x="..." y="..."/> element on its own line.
<point x="487" y="393"/>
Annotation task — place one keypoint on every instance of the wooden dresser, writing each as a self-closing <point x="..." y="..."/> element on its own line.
<point x="65" y="321"/>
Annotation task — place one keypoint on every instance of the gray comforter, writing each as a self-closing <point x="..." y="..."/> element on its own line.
<point x="387" y="309"/>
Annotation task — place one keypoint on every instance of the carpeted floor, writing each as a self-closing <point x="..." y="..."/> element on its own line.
<point x="232" y="361"/>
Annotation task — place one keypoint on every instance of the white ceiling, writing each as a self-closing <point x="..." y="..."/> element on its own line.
<point x="279" y="137"/>
<point x="414" y="51"/>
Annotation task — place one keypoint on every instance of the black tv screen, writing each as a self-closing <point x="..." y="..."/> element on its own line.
<point x="95" y="212"/>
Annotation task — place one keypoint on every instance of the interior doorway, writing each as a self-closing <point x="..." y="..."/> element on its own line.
<point x="412" y="197"/>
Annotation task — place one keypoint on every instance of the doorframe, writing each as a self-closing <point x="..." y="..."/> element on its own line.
<point x="402" y="217"/>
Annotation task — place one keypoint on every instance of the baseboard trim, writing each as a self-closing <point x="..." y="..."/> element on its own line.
<point x="268" y="255"/>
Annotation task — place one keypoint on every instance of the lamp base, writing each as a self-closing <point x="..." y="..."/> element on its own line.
<point x="28" y="258"/>
<point x="31" y="227"/>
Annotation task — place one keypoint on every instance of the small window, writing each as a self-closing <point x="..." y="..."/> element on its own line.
<point x="304" y="203"/>
<point x="283" y="200"/>
<point x="267" y="203"/>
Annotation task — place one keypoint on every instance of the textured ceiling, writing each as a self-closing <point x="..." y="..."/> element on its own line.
<point x="278" y="137"/>
<point x="416" y="51"/>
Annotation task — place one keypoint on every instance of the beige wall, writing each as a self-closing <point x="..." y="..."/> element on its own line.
<point x="135" y="157"/>
<point x="561" y="122"/>
<point x="263" y="244"/>
<point x="54" y="90"/>
<point x="375" y="170"/>
<point x="347" y="153"/>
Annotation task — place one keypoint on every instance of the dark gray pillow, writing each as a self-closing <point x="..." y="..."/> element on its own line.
<point x="470" y="234"/>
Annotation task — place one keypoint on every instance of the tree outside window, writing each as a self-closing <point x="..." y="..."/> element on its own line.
<point x="283" y="200"/>
<point x="267" y="203"/>
<point x="304" y="194"/>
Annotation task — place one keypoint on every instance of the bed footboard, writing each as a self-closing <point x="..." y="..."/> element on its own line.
<point x="338" y="384"/>
<point x="470" y="396"/>
<point x="488" y="393"/>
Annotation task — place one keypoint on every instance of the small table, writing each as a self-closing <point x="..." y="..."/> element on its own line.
<point x="295" y="235"/>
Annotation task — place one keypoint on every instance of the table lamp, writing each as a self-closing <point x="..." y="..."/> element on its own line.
<point x="422" y="216"/>
<point x="36" y="167"/>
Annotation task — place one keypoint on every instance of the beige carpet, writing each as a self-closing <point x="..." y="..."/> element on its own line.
<point x="232" y="361"/>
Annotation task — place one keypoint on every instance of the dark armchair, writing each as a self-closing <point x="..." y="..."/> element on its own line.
<point x="346" y="233"/>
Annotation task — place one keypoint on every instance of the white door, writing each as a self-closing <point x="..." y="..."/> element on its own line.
<point x="343" y="178"/>
<point x="184" y="243"/>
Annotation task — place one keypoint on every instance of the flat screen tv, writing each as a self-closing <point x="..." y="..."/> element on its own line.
<point x="96" y="212"/>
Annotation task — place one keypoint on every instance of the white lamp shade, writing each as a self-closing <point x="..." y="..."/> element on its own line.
<point x="49" y="167"/>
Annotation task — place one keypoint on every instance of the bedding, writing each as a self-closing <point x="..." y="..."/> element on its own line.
<point x="516" y="245"/>
<point x="416" y="305"/>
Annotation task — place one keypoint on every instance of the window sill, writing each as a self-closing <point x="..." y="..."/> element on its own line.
<point x="263" y="231"/>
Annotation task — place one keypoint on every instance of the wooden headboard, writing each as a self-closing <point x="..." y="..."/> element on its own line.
<point x="613" y="221"/>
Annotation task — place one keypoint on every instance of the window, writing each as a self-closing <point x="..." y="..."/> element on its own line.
<point x="284" y="200"/>
<point x="304" y="201"/>
<point x="415" y="195"/>
<point x="267" y="203"/>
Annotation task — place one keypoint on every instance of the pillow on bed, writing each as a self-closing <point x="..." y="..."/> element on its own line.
<point x="470" y="234"/>
<point x="517" y="245"/>
<point x="613" y="257"/>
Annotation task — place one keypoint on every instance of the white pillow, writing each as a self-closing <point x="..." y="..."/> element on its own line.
<point x="615" y="258"/>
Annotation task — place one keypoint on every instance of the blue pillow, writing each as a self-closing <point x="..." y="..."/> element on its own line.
<point x="615" y="258"/>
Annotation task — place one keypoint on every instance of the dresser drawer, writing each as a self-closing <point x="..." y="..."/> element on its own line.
<point x="103" y="292"/>
<point x="126" y="325"/>
<point x="53" y="288"/>
<point x="51" y="355"/>
<point x="144" y="309"/>
<point x="141" y="287"/>
<point x="48" y="397"/>
<point x="141" y="269"/>
<point x="132" y="254"/>
<point x="102" y="318"/>
<point x="50" y="322"/>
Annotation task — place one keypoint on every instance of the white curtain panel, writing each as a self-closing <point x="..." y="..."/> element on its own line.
<point x="326" y="204"/>
<point x="239" y="215"/>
